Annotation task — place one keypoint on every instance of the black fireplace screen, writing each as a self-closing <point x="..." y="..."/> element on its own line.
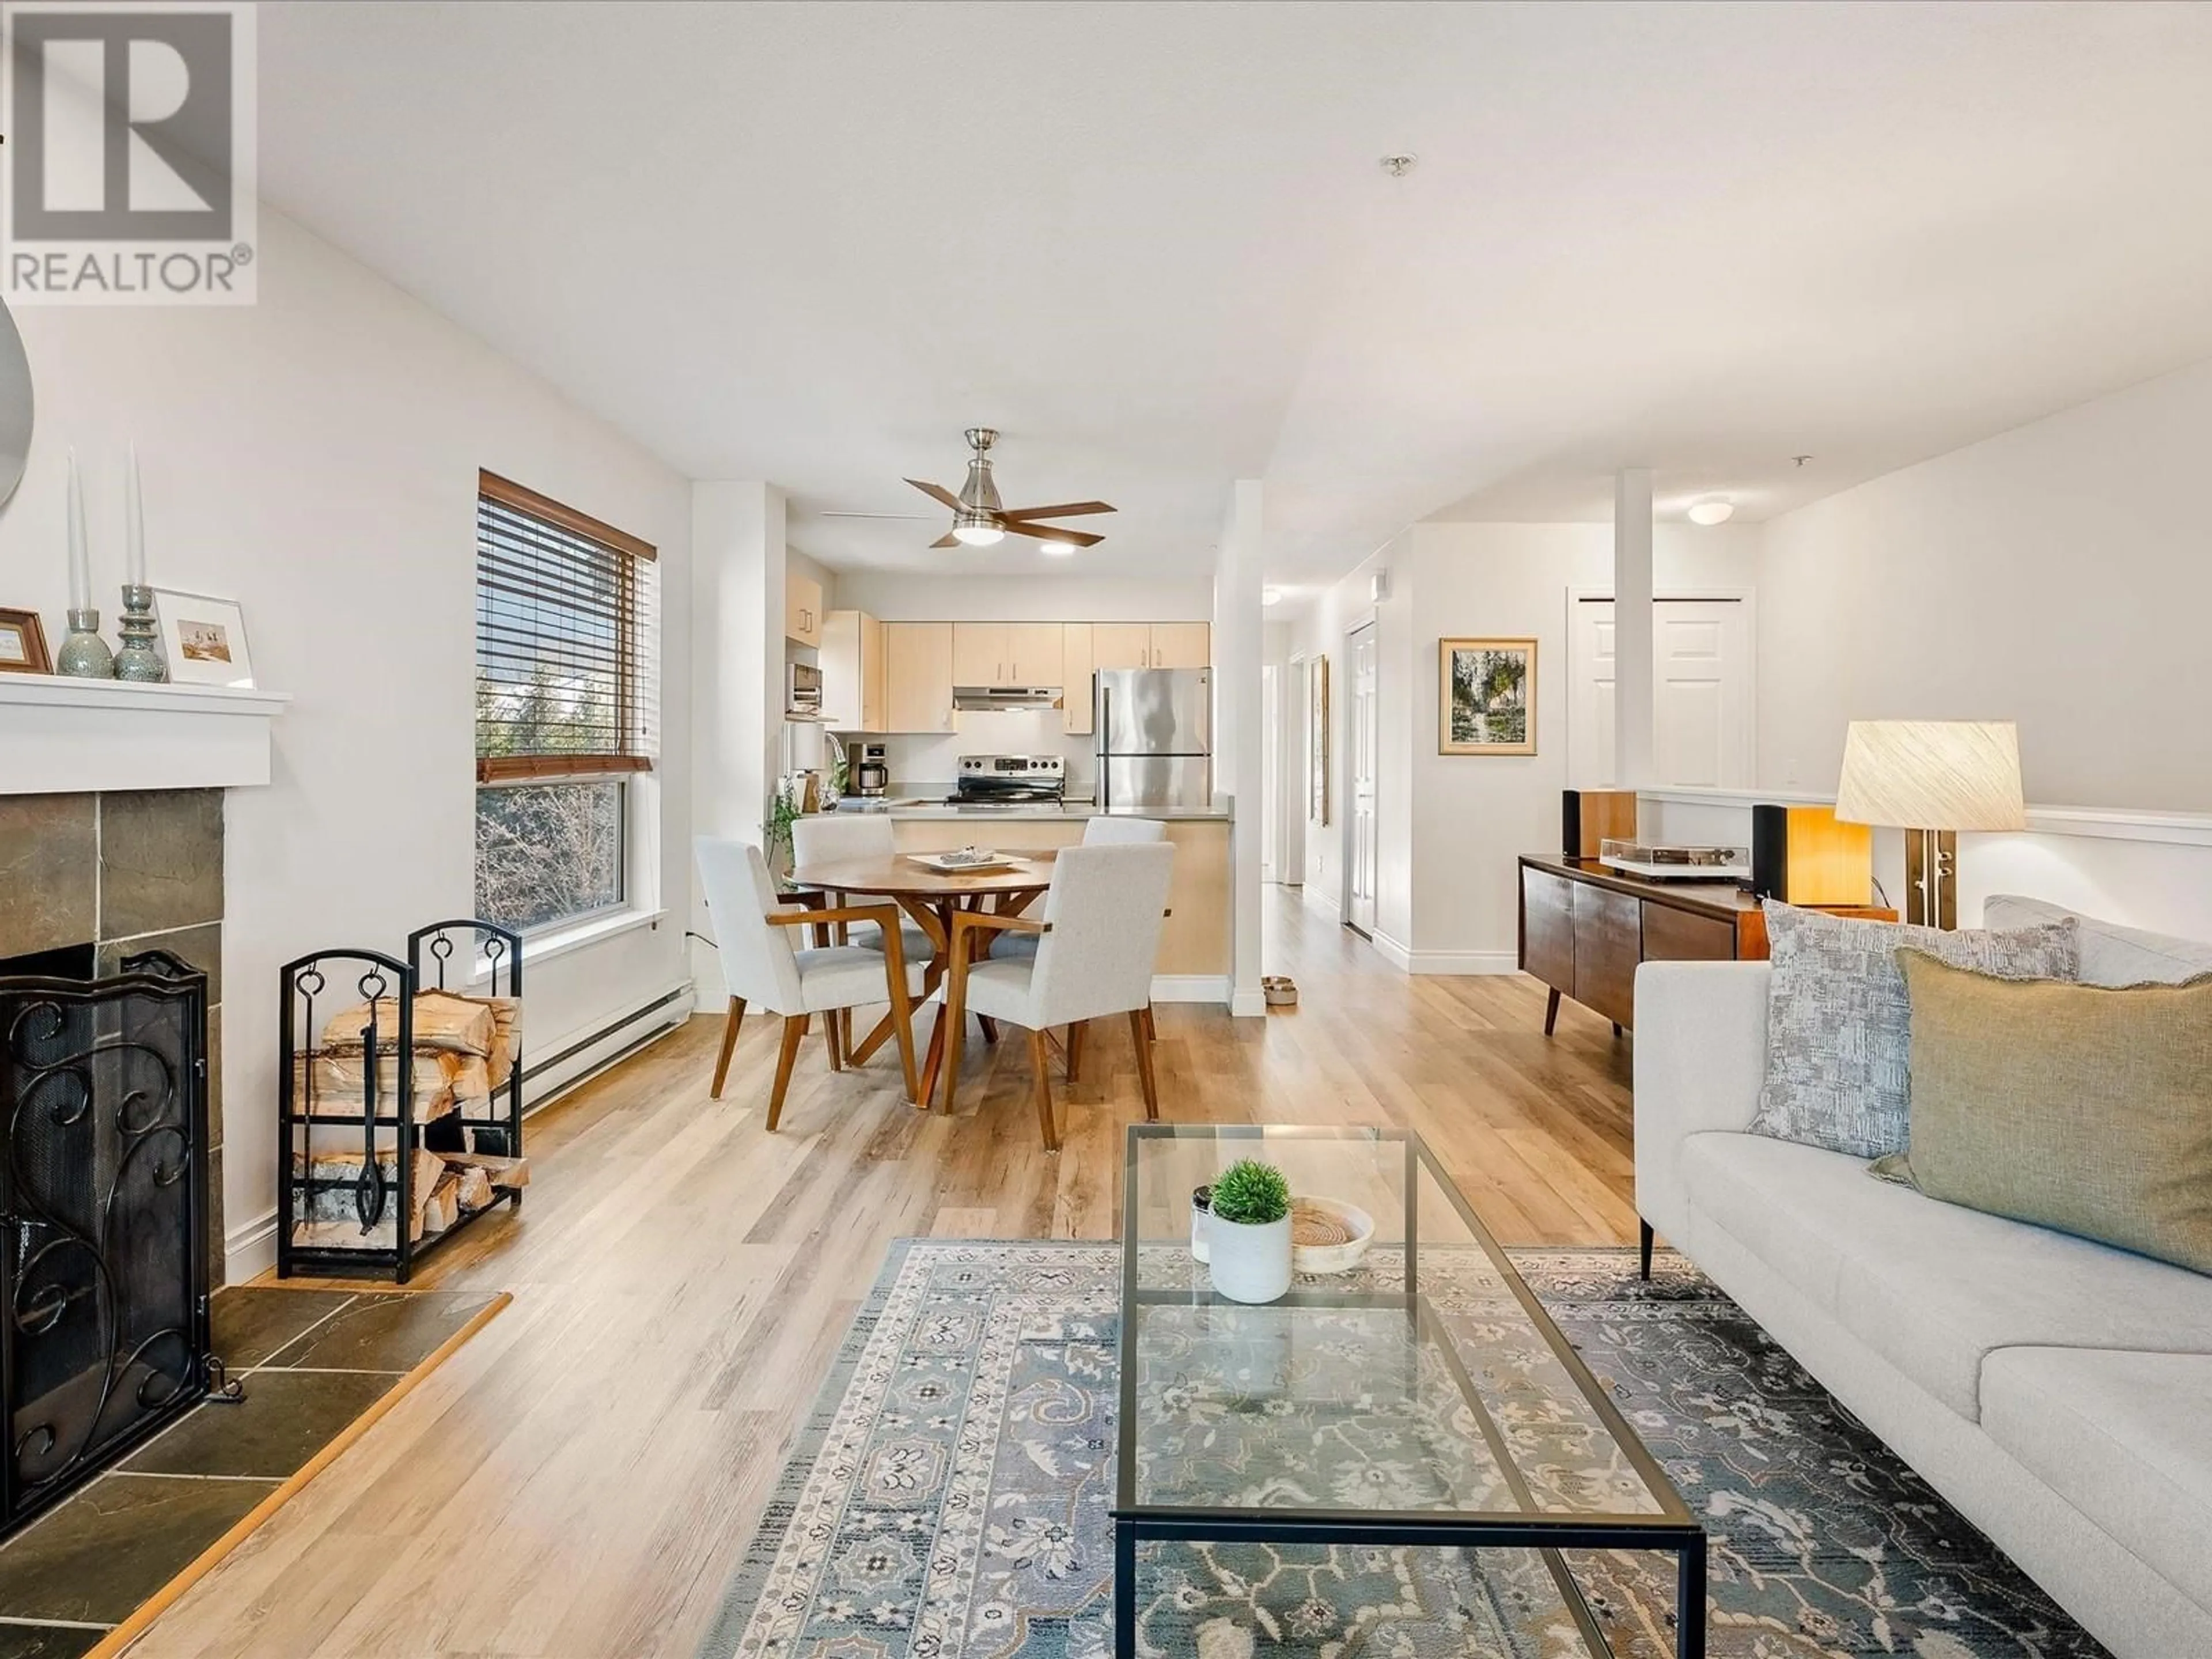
<point x="103" y="1266"/>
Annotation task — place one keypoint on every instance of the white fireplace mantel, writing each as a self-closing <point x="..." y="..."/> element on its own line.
<point x="62" y="735"/>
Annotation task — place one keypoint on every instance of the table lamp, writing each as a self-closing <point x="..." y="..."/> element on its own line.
<point x="1932" y="779"/>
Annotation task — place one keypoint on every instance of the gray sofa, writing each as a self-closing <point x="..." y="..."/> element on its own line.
<point x="2057" y="1392"/>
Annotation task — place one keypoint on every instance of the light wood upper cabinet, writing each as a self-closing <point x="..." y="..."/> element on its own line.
<point x="1152" y="644"/>
<point x="802" y="609"/>
<point x="919" y="660"/>
<point x="1121" y="645"/>
<point x="982" y="653"/>
<point x="1181" y="645"/>
<point x="1075" y="681"/>
<point x="855" y="684"/>
<point x="1037" y="654"/>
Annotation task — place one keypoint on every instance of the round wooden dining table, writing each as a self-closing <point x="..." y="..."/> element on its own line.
<point x="930" y="897"/>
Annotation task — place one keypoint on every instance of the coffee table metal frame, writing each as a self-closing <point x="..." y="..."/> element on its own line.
<point x="1672" y="1528"/>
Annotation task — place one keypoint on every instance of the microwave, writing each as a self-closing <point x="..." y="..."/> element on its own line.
<point x="802" y="691"/>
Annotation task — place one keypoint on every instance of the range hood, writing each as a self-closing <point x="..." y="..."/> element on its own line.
<point x="1005" y="696"/>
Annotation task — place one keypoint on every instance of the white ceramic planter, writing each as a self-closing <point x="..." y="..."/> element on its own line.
<point x="1248" y="1264"/>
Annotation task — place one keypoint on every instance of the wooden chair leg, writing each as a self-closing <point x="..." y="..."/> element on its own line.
<point x="1041" y="1064"/>
<point x="731" y="1021"/>
<point x="901" y="1015"/>
<point x="954" y="1025"/>
<point x="1074" y="1050"/>
<point x="795" y="1028"/>
<point x="1551" y="1012"/>
<point x="1152" y="1029"/>
<point x="1145" y="1065"/>
<point x="832" y="1034"/>
<point x="988" y="1026"/>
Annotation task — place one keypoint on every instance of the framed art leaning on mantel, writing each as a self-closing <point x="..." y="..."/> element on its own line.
<point x="1486" y="696"/>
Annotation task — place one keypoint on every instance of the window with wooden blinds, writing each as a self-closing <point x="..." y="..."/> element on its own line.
<point x="564" y="686"/>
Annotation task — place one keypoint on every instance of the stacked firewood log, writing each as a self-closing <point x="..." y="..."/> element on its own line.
<point x="462" y="1050"/>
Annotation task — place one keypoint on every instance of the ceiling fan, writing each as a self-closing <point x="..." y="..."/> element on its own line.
<point x="979" y="520"/>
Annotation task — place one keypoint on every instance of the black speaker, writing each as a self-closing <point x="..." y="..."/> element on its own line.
<point x="1588" y="816"/>
<point x="1769" y="851"/>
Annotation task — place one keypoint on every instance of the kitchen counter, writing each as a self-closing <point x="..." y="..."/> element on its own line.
<point x="912" y="808"/>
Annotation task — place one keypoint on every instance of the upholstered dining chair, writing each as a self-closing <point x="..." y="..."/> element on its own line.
<point x="1096" y="941"/>
<point x="830" y="838"/>
<point x="1101" y="830"/>
<point x="763" y="968"/>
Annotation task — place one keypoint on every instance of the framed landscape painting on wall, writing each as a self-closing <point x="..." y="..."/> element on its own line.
<point x="1486" y="696"/>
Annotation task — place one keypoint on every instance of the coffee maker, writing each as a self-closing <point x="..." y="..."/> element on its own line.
<point x="871" y="772"/>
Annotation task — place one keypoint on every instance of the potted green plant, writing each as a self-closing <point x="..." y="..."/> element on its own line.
<point x="1247" y="1232"/>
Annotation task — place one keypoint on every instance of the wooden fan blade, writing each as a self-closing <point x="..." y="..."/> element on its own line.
<point x="937" y="492"/>
<point x="1065" y="510"/>
<point x="1050" y="533"/>
<point x="948" y="540"/>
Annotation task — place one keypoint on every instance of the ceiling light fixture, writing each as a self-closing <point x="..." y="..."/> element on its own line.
<point x="1056" y="549"/>
<point x="1399" y="166"/>
<point x="976" y="529"/>
<point x="1716" y="510"/>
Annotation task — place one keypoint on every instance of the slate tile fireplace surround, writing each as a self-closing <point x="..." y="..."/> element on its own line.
<point x="88" y="880"/>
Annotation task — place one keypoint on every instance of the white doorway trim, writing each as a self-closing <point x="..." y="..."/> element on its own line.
<point x="1348" y="811"/>
<point x="1747" y="597"/>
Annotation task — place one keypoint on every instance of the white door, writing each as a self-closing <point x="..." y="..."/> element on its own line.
<point x="1701" y="675"/>
<point x="1359" y="828"/>
<point x="1271" y="774"/>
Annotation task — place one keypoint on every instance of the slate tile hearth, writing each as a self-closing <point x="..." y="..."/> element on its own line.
<point x="312" y="1362"/>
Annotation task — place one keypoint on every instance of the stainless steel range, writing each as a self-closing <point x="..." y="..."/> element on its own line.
<point x="1006" y="780"/>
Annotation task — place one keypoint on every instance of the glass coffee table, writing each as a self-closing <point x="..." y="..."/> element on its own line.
<point x="1423" y="1398"/>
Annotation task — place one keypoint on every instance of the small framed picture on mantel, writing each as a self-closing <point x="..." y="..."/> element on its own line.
<point x="23" y="644"/>
<point x="1486" y="696"/>
<point x="204" y="639"/>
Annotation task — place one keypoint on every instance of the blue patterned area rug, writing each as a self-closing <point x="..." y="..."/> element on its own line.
<point x="949" y="1499"/>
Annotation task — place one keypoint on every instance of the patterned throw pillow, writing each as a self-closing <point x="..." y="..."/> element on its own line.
<point x="1837" y="1020"/>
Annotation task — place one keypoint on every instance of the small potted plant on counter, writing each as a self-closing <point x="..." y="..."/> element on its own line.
<point x="1249" y="1232"/>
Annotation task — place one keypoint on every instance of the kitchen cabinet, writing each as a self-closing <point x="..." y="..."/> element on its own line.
<point x="802" y="609"/>
<point x="981" y="653"/>
<point x="919" y="680"/>
<point x="1181" y="645"/>
<point x="856" y="672"/>
<point x="1007" y="653"/>
<point x="1152" y="644"/>
<point x="1075" y="682"/>
<point x="1036" y="653"/>
<point x="1121" y="645"/>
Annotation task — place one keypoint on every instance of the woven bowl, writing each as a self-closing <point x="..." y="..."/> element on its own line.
<point x="1331" y="1258"/>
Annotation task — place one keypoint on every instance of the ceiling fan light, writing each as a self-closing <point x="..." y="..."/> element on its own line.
<point x="1716" y="510"/>
<point x="976" y="529"/>
<point x="1056" y="549"/>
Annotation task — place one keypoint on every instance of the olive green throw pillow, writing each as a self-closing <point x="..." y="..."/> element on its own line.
<point x="2084" y="1108"/>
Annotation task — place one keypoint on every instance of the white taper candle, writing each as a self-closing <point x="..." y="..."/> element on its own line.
<point x="134" y="527"/>
<point x="79" y="555"/>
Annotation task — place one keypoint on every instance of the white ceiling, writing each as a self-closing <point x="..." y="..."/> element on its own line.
<point x="1152" y="243"/>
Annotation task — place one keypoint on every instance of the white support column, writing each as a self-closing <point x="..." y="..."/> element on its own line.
<point x="737" y="676"/>
<point x="1238" y="637"/>
<point x="1633" y="717"/>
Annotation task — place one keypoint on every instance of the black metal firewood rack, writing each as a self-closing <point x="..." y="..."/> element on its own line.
<point x="387" y="1121"/>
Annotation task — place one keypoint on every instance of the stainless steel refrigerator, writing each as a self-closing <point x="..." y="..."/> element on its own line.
<point x="1155" y="729"/>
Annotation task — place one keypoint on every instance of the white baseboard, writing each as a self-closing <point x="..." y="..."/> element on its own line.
<point x="1248" y="1004"/>
<point x="1190" y="987"/>
<point x="250" y="1249"/>
<point x="1465" y="962"/>
<point x="1320" y="899"/>
<point x="1398" y="955"/>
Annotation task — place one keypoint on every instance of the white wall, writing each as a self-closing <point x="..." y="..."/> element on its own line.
<point x="2058" y="574"/>
<point x="1318" y="633"/>
<point x="315" y="456"/>
<point x="1473" y="815"/>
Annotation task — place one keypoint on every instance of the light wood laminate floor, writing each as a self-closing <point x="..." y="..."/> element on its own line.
<point x="583" y="1476"/>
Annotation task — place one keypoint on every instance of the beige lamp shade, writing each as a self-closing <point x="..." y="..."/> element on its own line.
<point x="1932" y="775"/>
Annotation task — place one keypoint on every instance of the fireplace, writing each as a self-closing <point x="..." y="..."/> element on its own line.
<point x="111" y="1123"/>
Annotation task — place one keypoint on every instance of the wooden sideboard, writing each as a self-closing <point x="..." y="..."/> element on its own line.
<point x="1585" y="928"/>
